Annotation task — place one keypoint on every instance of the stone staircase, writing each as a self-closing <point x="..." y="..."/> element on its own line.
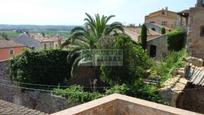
<point x="173" y="87"/>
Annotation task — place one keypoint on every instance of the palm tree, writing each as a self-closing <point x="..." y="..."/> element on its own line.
<point x="88" y="37"/>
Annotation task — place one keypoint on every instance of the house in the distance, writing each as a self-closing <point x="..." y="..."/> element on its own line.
<point x="9" y="49"/>
<point x="162" y="17"/>
<point x="39" y="41"/>
<point x="156" y="42"/>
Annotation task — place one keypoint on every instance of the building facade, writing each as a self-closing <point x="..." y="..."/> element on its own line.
<point x="9" y="49"/>
<point x="162" y="17"/>
<point x="193" y="20"/>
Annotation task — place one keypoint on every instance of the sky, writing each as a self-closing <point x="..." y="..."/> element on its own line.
<point x="72" y="12"/>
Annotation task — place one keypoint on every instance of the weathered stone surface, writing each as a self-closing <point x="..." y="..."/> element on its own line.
<point x="192" y="98"/>
<point x="195" y="61"/>
<point x="181" y="72"/>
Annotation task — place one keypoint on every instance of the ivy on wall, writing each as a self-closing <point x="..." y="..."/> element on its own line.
<point x="176" y="39"/>
<point x="49" y="67"/>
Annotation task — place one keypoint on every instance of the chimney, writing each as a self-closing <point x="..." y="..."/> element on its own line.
<point x="166" y="8"/>
<point x="200" y="3"/>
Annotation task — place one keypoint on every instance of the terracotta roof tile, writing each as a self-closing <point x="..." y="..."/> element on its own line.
<point x="9" y="44"/>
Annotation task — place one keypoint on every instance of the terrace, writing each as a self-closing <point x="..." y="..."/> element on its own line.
<point x="117" y="104"/>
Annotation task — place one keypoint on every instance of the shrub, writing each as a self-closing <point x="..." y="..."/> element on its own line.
<point x="146" y="92"/>
<point x="135" y="62"/>
<point x="163" y="31"/>
<point x="176" y="39"/>
<point x="48" y="67"/>
<point x="76" y="94"/>
<point x="121" y="89"/>
<point x="173" y="61"/>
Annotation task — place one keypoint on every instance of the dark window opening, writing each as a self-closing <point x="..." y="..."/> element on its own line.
<point x="45" y="46"/>
<point x="11" y="52"/>
<point x="202" y="31"/>
<point x="153" y="29"/>
<point x="153" y="51"/>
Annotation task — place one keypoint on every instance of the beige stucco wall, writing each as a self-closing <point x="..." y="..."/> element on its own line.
<point x="117" y="104"/>
<point x="196" y="42"/>
<point x="158" y="17"/>
<point x="162" y="47"/>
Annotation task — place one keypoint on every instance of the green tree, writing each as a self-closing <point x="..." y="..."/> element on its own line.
<point x="88" y="37"/>
<point x="4" y="36"/>
<point x="144" y="36"/>
<point x="135" y="62"/>
<point x="163" y="31"/>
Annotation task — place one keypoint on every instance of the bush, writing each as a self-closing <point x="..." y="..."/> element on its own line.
<point x="176" y="39"/>
<point x="76" y="94"/>
<point x="121" y="89"/>
<point x="173" y="61"/>
<point x="135" y="63"/>
<point x="48" y="67"/>
<point x="163" y="31"/>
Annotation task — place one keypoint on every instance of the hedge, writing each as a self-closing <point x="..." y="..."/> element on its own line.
<point x="176" y="39"/>
<point x="47" y="67"/>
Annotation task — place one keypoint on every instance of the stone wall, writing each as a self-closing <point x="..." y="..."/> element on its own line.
<point x="4" y="70"/>
<point x="117" y="104"/>
<point x="34" y="99"/>
<point x="192" y="98"/>
<point x="195" y="39"/>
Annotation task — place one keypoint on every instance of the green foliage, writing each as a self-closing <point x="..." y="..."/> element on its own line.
<point x="88" y="37"/>
<point x="135" y="62"/>
<point x="176" y="39"/>
<point x="170" y="64"/>
<point x="139" y="90"/>
<point x="144" y="36"/>
<point x="48" y="67"/>
<point x="4" y="36"/>
<point x="121" y="89"/>
<point x="146" y="92"/>
<point x="76" y="94"/>
<point x="163" y="31"/>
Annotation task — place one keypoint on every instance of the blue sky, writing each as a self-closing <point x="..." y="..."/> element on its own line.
<point x="72" y="12"/>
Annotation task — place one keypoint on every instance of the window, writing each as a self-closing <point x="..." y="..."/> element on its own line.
<point x="202" y="31"/>
<point x="164" y="23"/>
<point x="11" y="52"/>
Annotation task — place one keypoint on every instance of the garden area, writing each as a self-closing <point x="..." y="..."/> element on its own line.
<point x="56" y="67"/>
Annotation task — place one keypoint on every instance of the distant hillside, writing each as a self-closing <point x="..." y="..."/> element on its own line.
<point x="35" y="28"/>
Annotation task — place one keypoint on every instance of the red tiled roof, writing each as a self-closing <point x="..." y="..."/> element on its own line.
<point x="9" y="44"/>
<point x="135" y="32"/>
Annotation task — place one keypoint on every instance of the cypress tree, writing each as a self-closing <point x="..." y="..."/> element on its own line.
<point x="144" y="36"/>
